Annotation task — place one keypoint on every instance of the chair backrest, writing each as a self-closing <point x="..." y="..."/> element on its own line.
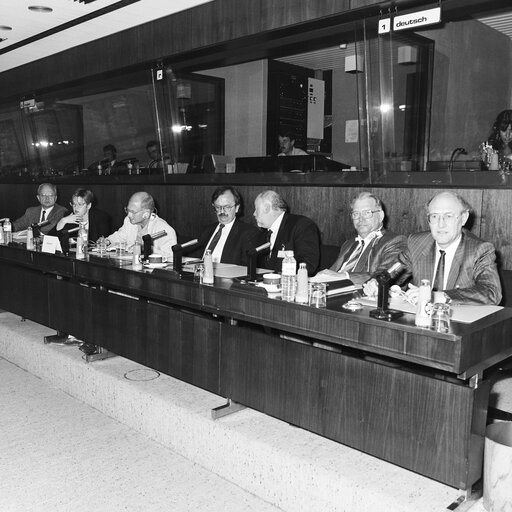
<point x="328" y="255"/>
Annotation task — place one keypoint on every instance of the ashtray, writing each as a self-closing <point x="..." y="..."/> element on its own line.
<point x="352" y="305"/>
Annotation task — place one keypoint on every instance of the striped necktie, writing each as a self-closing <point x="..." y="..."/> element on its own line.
<point x="351" y="262"/>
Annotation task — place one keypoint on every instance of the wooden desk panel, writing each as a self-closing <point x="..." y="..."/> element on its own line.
<point x="414" y="420"/>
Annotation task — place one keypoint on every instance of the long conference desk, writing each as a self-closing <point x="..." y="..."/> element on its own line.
<point x="407" y="395"/>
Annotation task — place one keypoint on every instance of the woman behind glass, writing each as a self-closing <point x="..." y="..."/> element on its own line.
<point x="501" y="135"/>
<point x="97" y="222"/>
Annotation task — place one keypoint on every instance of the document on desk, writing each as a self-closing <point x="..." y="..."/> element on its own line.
<point x="231" y="271"/>
<point x="464" y="314"/>
<point x="335" y="285"/>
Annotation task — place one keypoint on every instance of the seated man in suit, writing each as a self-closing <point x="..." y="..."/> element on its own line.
<point x="230" y="238"/>
<point x="47" y="210"/>
<point x="456" y="262"/>
<point x="141" y="220"/>
<point x="374" y="248"/>
<point x="286" y="231"/>
<point x="96" y="222"/>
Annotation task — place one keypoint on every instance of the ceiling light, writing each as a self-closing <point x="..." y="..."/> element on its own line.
<point x="39" y="8"/>
<point x="5" y="27"/>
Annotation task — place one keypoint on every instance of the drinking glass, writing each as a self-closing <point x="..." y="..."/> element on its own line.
<point x="318" y="295"/>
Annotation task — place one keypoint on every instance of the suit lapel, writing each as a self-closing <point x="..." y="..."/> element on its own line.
<point x="456" y="264"/>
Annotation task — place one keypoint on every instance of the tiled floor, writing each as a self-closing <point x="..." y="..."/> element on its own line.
<point x="58" y="454"/>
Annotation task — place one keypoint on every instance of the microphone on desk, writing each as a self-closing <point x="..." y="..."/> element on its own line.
<point x="64" y="239"/>
<point x="36" y="226"/>
<point x="159" y="234"/>
<point x="384" y="279"/>
<point x="252" y="255"/>
<point x="147" y="242"/>
<point x="178" y="253"/>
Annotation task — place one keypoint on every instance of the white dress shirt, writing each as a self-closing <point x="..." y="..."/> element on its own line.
<point x="217" y="252"/>
<point x="449" y="254"/>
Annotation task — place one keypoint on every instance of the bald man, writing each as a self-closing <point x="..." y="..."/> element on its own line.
<point x="141" y="220"/>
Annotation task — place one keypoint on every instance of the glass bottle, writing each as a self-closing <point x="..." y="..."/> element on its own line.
<point x="424" y="296"/>
<point x="208" y="277"/>
<point x="302" y="285"/>
<point x="7" y="231"/>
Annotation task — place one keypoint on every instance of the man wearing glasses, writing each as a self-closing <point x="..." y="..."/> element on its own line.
<point x="141" y="220"/>
<point x="229" y="239"/>
<point x="454" y="260"/>
<point x="48" y="209"/>
<point x="374" y="248"/>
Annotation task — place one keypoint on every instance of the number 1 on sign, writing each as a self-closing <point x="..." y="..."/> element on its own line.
<point x="384" y="25"/>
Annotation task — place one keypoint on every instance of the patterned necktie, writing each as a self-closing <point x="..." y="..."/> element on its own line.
<point x="216" y="238"/>
<point x="43" y="216"/>
<point x="439" y="278"/>
<point x="349" y="265"/>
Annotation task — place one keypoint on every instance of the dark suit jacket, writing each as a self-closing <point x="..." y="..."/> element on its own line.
<point x="298" y="234"/>
<point x="241" y="238"/>
<point x="100" y="224"/>
<point x="377" y="256"/>
<point x="473" y="276"/>
<point x="33" y="214"/>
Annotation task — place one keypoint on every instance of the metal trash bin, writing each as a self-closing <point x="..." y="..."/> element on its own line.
<point x="498" y="467"/>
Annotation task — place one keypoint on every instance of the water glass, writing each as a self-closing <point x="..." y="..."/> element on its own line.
<point x="120" y="248"/>
<point x="440" y="318"/>
<point x="199" y="273"/>
<point x="102" y="246"/>
<point x="318" y="295"/>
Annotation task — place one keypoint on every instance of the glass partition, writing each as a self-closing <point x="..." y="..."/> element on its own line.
<point x="403" y="102"/>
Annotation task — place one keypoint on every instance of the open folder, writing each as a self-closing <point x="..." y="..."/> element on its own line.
<point x="335" y="285"/>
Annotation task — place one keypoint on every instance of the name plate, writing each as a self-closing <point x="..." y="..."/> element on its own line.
<point x="51" y="244"/>
<point x="417" y="19"/>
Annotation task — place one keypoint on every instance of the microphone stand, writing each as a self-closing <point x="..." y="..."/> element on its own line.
<point x="452" y="157"/>
<point x="177" y="251"/>
<point x="147" y="243"/>
<point x="252" y="258"/>
<point x="384" y="279"/>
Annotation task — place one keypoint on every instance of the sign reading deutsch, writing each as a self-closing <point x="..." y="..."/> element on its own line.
<point x="417" y="19"/>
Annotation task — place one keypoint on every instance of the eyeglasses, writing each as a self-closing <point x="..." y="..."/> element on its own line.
<point x="46" y="196"/>
<point x="448" y="218"/>
<point x="223" y="209"/>
<point x="131" y="212"/>
<point x="365" y="214"/>
<point x="77" y="205"/>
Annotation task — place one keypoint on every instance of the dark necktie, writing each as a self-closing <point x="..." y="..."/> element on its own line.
<point x="267" y="239"/>
<point x="439" y="279"/>
<point x="216" y="238"/>
<point x="349" y="265"/>
<point x="43" y="216"/>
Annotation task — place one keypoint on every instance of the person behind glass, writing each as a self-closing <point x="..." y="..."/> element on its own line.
<point x="500" y="138"/>
<point x="229" y="239"/>
<point x="48" y="209"/>
<point x="285" y="231"/>
<point x="374" y="248"/>
<point x="287" y="145"/>
<point x="141" y="220"/>
<point x="155" y="156"/>
<point x="96" y="222"/>
<point x="454" y="260"/>
<point x="110" y="163"/>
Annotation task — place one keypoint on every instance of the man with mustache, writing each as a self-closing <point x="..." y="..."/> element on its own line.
<point x="230" y="238"/>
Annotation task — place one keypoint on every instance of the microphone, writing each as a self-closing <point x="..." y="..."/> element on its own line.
<point x="452" y="157"/>
<point x="252" y="256"/>
<point x="259" y="249"/>
<point x="159" y="234"/>
<point x="41" y="224"/>
<point x="384" y="279"/>
<point x="64" y="239"/>
<point x="178" y="253"/>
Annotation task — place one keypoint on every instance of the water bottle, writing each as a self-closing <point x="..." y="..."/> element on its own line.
<point x="289" y="277"/>
<point x="136" y="260"/>
<point x="302" y="285"/>
<point x="208" y="268"/>
<point x="30" y="238"/>
<point x="7" y="231"/>
<point x="424" y="296"/>
<point x="81" y="242"/>
<point x="2" y="239"/>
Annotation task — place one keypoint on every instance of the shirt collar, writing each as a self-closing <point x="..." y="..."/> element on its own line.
<point x="373" y="235"/>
